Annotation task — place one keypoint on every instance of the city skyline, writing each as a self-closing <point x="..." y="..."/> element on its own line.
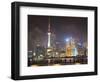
<point x="55" y="39"/>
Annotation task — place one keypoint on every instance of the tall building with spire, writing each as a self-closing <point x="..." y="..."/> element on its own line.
<point x="51" y="43"/>
<point x="49" y="47"/>
<point x="49" y="34"/>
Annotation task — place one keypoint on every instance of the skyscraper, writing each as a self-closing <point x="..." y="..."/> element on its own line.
<point x="49" y="35"/>
<point x="49" y="47"/>
<point x="71" y="49"/>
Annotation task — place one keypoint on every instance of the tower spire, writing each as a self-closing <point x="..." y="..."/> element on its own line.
<point x="49" y="25"/>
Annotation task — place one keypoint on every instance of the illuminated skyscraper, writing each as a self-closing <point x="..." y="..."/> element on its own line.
<point x="74" y="49"/>
<point x="71" y="49"/>
<point x="49" y="35"/>
<point x="68" y="48"/>
<point x="49" y="47"/>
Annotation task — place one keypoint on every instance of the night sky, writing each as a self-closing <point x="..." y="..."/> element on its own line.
<point x="63" y="27"/>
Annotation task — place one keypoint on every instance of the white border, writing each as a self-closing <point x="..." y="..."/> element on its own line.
<point x="24" y="70"/>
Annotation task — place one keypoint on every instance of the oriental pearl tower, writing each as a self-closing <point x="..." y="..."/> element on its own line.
<point x="49" y="47"/>
<point x="49" y="34"/>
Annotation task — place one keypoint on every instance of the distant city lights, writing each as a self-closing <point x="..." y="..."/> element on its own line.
<point x="67" y="39"/>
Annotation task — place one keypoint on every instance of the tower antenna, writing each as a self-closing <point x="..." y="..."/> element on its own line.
<point x="49" y="25"/>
